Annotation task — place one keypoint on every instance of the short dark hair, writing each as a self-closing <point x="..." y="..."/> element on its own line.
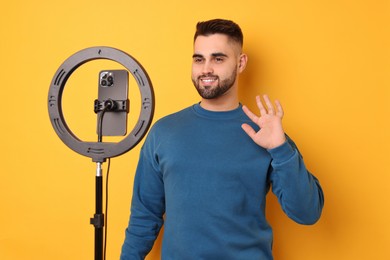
<point x="227" y="27"/>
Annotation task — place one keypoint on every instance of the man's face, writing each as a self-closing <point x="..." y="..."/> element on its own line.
<point x="214" y="65"/>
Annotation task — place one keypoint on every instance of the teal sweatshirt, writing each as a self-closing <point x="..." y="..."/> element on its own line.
<point x="206" y="181"/>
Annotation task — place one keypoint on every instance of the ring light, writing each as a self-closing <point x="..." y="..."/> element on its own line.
<point x="100" y="151"/>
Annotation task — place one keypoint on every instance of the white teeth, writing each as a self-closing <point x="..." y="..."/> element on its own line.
<point x="208" y="80"/>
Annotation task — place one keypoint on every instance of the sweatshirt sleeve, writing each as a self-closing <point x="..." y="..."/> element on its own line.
<point x="298" y="191"/>
<point x="147" y="209"/>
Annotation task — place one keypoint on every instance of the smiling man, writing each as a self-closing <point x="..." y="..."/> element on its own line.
<point x="204" y="172"/>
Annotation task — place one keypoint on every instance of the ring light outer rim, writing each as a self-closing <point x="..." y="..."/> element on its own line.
<point x="100" y="151"/>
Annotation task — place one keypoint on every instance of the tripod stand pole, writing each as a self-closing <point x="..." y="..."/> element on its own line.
<point x="98" y="219"/>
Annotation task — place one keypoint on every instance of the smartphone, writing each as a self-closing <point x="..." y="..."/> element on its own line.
<point x="114" y="84"/>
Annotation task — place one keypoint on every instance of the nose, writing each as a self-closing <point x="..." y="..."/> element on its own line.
<point x="207" y="68"/>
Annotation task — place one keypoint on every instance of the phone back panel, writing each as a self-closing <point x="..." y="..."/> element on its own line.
<point x="114" y="84"/>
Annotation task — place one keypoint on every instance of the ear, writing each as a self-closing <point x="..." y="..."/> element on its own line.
<point x="242" y="62"/>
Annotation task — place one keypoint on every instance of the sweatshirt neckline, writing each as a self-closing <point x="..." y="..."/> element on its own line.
<point x="217" y="114"/>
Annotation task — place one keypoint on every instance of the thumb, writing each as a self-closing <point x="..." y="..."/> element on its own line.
<point x="249" y="130"/>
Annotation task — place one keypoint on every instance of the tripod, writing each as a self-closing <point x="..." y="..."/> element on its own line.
<point x="100" y="151"/>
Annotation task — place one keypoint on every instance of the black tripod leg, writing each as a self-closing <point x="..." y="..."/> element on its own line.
<point x="98" y="219"/>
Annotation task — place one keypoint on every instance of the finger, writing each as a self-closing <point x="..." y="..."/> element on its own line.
<point x="249" y="130"/>
<point x="268" y="102"/>
<point x="261" y="107"/>
<point x="279" y="108"/>
<point x="250" y="114"/>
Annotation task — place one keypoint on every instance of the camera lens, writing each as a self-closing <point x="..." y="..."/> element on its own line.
<point x="103" y="83"/>
<point x="110" y="79"/>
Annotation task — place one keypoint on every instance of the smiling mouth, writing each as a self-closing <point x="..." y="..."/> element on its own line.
<point x="208" y="80"/>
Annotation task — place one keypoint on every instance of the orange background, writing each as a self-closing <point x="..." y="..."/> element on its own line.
<point x="327" y="61"/>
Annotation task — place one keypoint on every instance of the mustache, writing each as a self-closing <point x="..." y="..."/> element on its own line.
<point x="208" y="76"/>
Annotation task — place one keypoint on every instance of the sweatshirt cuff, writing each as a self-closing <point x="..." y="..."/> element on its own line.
<point x="282" y="153"/>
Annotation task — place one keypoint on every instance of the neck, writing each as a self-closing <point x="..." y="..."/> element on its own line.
<point x="225" y="102"/>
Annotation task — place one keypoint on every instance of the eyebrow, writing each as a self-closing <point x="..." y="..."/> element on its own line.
<point x="197" y="56"/>
<point x="216" y="54"/>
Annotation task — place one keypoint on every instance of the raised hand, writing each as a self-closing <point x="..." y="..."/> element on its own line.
<point x="271" y="134"/>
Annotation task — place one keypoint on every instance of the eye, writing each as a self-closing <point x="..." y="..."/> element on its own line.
<point x="219" y="59"/>
<point x="197" y="59"/>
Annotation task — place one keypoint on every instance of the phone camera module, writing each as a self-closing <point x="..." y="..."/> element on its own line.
<point x="106" y="79"/>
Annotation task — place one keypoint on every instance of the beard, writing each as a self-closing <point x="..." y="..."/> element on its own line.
<point x="210" y="92"/>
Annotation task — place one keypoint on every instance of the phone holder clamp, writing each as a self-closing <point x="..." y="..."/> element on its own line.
<point x="111" y="105"/>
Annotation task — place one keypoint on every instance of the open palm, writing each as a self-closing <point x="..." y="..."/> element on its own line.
<point x="271" y="134"/>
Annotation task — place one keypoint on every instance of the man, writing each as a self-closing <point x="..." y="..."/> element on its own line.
<point x="205" y="171"/>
